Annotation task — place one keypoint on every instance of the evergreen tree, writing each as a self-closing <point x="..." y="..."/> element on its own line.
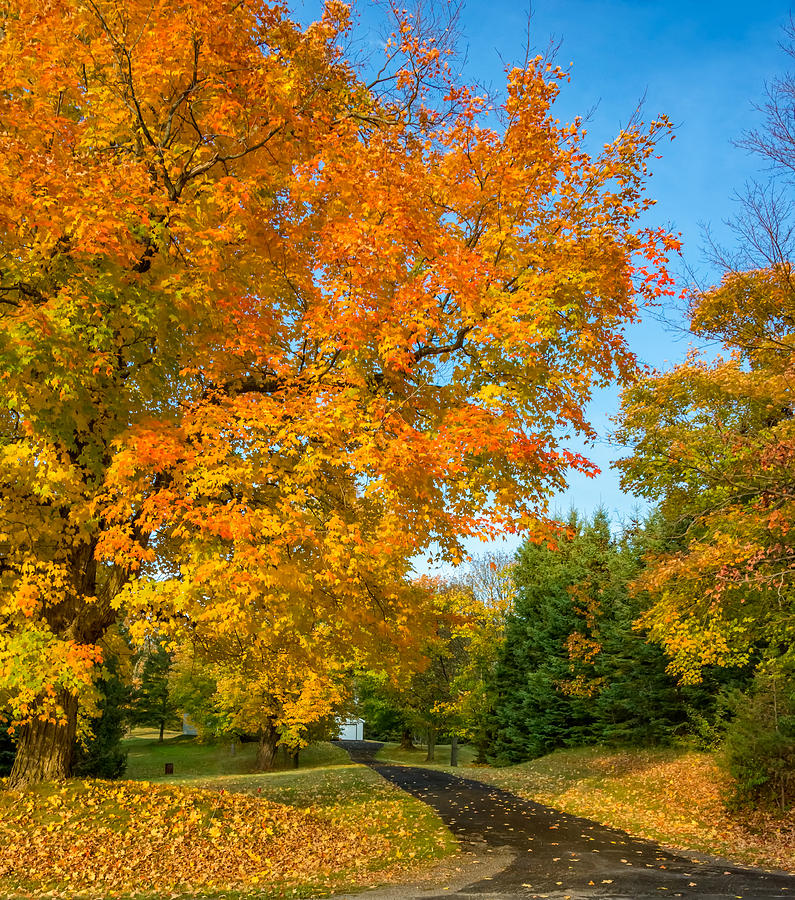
<point x="759" y="750"/>
<point x="101" y="754"/>
<point x="532" y="714"/>
<point x="152" y="702"/>
<point x="574" y="669"/>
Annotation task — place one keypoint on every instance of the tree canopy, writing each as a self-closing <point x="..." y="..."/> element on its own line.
<point x="270" y="328"/>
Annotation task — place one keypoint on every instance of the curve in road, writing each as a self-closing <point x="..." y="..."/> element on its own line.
<point x="550" y="854"/>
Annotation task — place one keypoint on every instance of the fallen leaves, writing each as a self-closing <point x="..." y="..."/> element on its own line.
<point x="105" y="838"/>
<point x="671" y="797"/>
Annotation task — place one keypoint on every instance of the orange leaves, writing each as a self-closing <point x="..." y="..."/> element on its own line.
<point x="271" y="332"/>
<point x="105" y="837"/>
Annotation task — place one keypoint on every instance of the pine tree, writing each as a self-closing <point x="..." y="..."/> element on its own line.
<point x="152" y="701"/>
<point x="532" y="715"/>
<point x="574" y="669"/>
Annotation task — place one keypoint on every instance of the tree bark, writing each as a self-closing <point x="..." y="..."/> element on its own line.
<point x="44" y="749"/>
<point x="162" y="729"/>
<point x="406" y="740"/>
<point x="268" y="745"/>
<point x="431" y="745"/>
<point x="454" y="750"/>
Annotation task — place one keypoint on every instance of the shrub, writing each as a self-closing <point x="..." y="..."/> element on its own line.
<point x="759" y="751"/>
<point x="101" y="755"/>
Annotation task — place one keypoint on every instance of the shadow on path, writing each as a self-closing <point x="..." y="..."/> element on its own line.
<point x="546" y="853"/>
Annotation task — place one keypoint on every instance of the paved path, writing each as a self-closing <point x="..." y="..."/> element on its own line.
<point x="515" y="848"/>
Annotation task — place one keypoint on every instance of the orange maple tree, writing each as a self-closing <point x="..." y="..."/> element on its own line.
<point x="270" y="329"/>
<point x="713" y="442"/>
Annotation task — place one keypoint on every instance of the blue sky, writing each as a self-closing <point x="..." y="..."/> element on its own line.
<point x="704" y="64"/>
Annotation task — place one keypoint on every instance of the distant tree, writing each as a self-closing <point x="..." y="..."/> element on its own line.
<point x="419" y="697"/>
<point x="489" y="578"/>
<point x="152" y="701"/>
<point x="574" y="669"/>
<point x="446" y="691"/>
<point x="382" y="707"/>
<point x="234" y="688"/>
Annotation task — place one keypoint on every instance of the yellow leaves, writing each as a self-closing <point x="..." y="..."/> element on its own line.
<point x="667" y="796"/>
<point x="142" y="837"/>
<point x="256" y="362"/>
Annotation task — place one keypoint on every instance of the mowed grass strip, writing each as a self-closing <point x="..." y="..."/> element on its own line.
<point x="674" y="797"/>
<point x="393" y="753"/>
<point x="191" y="758"/>
<point x="293" y="833"/>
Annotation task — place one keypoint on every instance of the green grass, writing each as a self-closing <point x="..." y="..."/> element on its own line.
<point x="392" y="753"/>
<point x="146" y="757"/>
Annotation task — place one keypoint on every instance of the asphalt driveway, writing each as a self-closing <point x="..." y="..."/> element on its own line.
<point x="515" y="848"/>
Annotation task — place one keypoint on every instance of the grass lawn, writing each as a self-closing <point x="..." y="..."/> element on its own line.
<point x="391" y="753"/>
<point x="214" y="828"/>
<point x="146" y="757"/>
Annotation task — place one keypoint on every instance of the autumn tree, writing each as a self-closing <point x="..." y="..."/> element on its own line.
<point x="443" y="690"/>
<point x="270" y="328"/>
<point x="713" y="439"/>
<point x="417" y="696"/>
<point x="231" y="688"/>
<point x="488" y="601"/>
<point x="713" y="442"/>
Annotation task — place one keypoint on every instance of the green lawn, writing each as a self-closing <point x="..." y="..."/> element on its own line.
<point x="392" y="753"/>
<point x="146" y="757"/>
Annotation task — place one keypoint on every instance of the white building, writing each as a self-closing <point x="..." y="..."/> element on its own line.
<point x="351" y="730"/>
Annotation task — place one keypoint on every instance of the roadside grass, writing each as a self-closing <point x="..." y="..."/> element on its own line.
<point x="392" y="753"/>
<point x="215" y="828"/>
<point x="146" y="757"/>
<point x="671" y="796"/>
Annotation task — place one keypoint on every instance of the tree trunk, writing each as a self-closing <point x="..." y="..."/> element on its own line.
<point x="294" y="757"/>
<point x="454" y="750"/>
<point x="44" y="749"/>
<point x="162" y="729"/>
<point x="268" y="745"/>
<point x="406" y="740"/>
<point x="431" y="745"/>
